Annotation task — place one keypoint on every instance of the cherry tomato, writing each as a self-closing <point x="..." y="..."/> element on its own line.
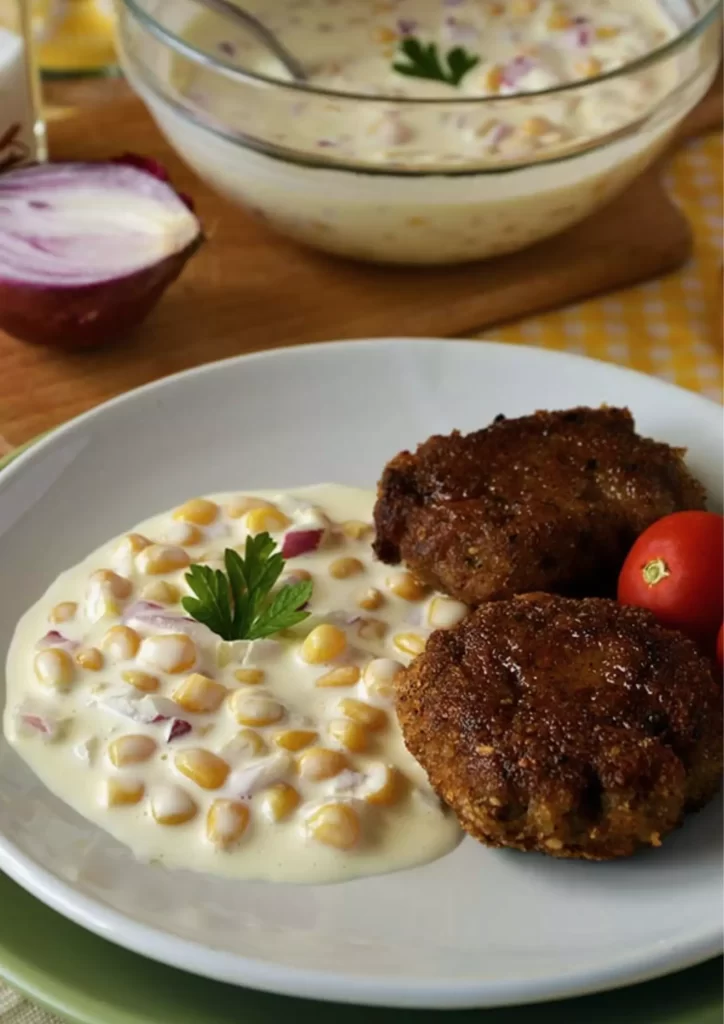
<point x="676" y="570"/>
<point x="720" y="648"/>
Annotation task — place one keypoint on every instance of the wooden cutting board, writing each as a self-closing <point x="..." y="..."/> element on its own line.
<point x="249" y="289"/>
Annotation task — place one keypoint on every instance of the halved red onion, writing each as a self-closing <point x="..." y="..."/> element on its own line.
<point x="301" y="542"/>
<point x="87" y="249"/>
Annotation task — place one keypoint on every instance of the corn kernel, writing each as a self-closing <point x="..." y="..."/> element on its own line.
<point x="364" y="714"/>
<point x="132" y="544"/>
<point x="250" y="676"/>
<point x="355" y="529"/>
<point x="319" y="763"/>
<point x="379" y="678"/>
<point x="89" y="658"/>
<point x="266" y="520"/>
<point x="123" y="792"/>
<point x="350" y="735"/>
<point x="162" y="592"/>
<point x="346" y="675"/>
<point x="199" y="694"/>
<point x="142" y="681"/>
<point x="343" y="568"/>
<point x="444" y="613"/>
<point x="169" y="652"/>
<point x="240" y="506"/>
<point x="226" y="822"/>
<point x="371" y="629"/>
<point x="279" y="801"/>
<point x="493" y="78"/>
<point x="171" y="805"/>
<point x="182" y="534"/>
<point x="255" y="709"/>
<point x="404" y="585"/>
<point x="335" y="825"/>
<point x="607" y="32"/>
<point x="385" y="788"/>
<point x="202" y="767"/>
<point x="121" y="643"/>
<point x="63" y="612"/>
<point x="157" y="559"/>
<point x="385" y="35"/>
<point x="118" y="586"/>
<point x="244" y="746"/>
<point x="558" y="21"/>
<point x="589" y="67"/>
<point x="409" y="643"/>
<point x="296" y="576"/>
<point x="54" y="667"/>
<point x="295" y="739"/>
<point x="199" y="511"/>
<point x="130" y="749"/>
<point x="371" y="600"/>
<point x="537" y="126"/>
<point x="324" y="644"/>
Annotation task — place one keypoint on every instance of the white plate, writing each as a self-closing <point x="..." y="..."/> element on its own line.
<point x="477" y="928"/>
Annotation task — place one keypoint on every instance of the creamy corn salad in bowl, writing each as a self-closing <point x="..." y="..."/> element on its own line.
<point x="425" y="131"/>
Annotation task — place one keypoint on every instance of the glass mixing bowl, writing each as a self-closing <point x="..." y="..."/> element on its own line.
<point x="257" y="141"/>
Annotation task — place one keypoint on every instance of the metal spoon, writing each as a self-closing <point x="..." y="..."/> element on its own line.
<point x="229" y="10"/>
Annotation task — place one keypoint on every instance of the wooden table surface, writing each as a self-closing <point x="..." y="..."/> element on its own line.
<point x="267" y="292"/>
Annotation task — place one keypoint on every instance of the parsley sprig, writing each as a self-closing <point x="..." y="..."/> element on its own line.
<point x="238" y="604"/>
<point x="423" y="61"/>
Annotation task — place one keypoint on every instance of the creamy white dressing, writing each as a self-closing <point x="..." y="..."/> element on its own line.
<point x="522" y="45"/>
<point x="107" y="704"/>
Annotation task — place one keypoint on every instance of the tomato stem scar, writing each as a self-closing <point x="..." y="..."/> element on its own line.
<point x="655" y="571"/>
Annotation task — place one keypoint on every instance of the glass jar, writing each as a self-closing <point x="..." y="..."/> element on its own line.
<point x="74" y="37"/>
<point x="22" y="133"/>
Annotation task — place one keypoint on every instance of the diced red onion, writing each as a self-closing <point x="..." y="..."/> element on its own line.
<point x="32" y="720"/>
<point x="56" y="639"/>
<point x="407" y="26"/>
<point x="146" y="616"/>
<point x="86" y="250"/>
<point x="301" y="542"/>
<point x="516" y="69"/>
<point x="177" y="727"/>
<point x="582" y="34"/>
<point x="460" y="31"/>
<point x="149" y="709"/>
<point x="260" y="774"/>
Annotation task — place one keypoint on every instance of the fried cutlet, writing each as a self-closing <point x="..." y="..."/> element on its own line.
<point x="548" y="502"/>
<point x="577" y="728"/>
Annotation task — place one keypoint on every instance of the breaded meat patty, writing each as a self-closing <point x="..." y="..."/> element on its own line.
<point x="549" y="502"/>
<point x="577" y="728"/>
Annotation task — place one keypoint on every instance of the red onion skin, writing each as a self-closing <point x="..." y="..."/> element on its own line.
<point x="89" y="315"/>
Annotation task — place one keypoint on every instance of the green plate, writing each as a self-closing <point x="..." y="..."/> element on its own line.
<point x="86" y="980"/>
<point x="89" y="981"/>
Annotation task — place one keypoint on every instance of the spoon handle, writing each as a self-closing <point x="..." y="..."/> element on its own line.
<point x="229" y="10"/>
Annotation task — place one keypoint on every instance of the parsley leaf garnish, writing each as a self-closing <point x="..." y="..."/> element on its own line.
<point x="238" y="604"/>
<point x="423" y="61"/>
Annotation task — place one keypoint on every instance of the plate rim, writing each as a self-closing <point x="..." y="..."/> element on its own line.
<point x="191" y="956"/>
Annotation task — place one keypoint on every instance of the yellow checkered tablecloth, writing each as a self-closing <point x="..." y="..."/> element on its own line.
<point x="670" y="328"/>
